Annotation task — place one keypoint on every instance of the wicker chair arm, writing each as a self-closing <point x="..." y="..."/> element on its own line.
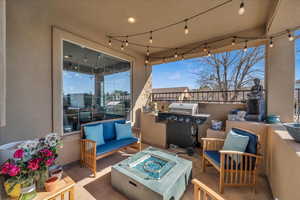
<point x="224" y="152"/>
<point x="213" y="144"/>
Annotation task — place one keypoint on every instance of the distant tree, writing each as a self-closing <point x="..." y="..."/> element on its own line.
<point x="233" y="70"/>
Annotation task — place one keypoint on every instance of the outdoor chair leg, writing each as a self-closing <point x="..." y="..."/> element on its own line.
<point x="203" y="164"/>
<point x="221" y="184"/>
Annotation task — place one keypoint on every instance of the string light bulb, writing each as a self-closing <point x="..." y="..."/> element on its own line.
<point x="271" y="45"/>
<point x="233" y="41"/>
<point x="290" y="36"/>
<point x="208" y="53"/>
<point x="246" y="46"/>
<point x="176" y="54"/>
<point x="242" y="8"/>
<point x="126" y="42"/>
<point x="150" y="38"/>
<point x="148" y="51"/>
<point x="122" y="46"/>
<point x="205" y="48"/>
<point x="147" y="60"/>
<point x="109" y="42"/>
<point x="182" y="57"/>
<point x="186" y="29"/>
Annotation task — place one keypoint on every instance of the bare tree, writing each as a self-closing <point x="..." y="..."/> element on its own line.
<point x="233" y="70"/>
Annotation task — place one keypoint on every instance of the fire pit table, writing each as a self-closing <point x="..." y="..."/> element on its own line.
<point x="152" y="174"/>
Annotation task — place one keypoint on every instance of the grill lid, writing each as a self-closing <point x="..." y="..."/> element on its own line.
<point x="184" y="108"/>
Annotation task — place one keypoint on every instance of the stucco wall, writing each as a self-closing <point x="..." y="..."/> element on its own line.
<point x="280" y="79"/>
<point x="29" y="92"/>
<point x="283" y="163"/>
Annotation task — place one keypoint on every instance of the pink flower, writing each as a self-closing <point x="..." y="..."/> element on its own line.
<point x="34" y="164"/>
<point x="5" y="168"/>
<point x="46" y="152"/>
<point x="10" y="169"/>
<point x="19" y="153"/>
<point x="49" y="161"/>
<point x="14" y="170"/>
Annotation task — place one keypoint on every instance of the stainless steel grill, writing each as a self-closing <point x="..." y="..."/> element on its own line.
<point x="182" y="121"/>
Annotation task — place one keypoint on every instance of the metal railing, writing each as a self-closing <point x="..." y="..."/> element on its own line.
<point x="211" y="96"/>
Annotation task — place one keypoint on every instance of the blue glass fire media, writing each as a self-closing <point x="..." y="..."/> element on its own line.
<point x="152" y="174"/>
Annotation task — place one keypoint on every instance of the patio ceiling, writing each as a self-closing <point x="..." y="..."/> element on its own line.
<point x="110" y="17"/>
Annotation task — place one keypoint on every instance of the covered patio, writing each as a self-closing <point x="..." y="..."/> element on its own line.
<point x="67" y="65"/>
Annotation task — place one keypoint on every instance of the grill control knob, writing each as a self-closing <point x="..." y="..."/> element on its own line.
<point x="181" y="119"/>
<point x="198" y="121"/>
<point x="187" y="120"/>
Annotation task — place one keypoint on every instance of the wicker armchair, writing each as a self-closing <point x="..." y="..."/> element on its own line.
<point x="240" y="171"/>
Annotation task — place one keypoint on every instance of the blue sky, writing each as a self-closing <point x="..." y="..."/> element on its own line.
<point x="83" y="83"/>
<point x="180" y="73"/>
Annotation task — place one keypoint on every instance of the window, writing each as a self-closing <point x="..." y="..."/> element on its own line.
<point x="96" y="87"/>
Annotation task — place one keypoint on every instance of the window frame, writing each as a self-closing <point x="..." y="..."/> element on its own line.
<point x="58" y="36"/>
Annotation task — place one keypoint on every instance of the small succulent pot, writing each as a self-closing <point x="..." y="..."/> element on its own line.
<point x="50" y="184"/>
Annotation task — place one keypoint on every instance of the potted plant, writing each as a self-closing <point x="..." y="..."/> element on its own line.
<point x="30" y="163"/>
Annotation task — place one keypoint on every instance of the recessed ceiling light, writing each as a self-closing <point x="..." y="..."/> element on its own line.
<point x="131" y="20"/>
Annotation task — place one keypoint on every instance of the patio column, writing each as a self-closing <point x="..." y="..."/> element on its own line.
<point x="280" y="79"/>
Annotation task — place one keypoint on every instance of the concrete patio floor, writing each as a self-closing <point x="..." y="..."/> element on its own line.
<point x="89" y="188"/>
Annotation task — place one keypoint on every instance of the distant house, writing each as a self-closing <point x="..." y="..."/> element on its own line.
<point x="165" y="94"/>
<point x="297" y="84"/>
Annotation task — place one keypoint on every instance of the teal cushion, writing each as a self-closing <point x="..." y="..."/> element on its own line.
<point x="95" y="133"/>
<point x="114" y="145"/>
<point x="235" y="142"/>
<point x="123" y="131"/>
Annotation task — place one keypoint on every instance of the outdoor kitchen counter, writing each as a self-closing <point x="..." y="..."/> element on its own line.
<point x="283" y="164"/>
<point x="153" y="133"/>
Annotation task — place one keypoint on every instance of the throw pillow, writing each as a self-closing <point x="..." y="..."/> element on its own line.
<point x="95" y="133"/>
<point x="123" y="131"/>
<point x="235" y="142"/>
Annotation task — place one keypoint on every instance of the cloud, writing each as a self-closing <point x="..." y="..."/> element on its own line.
<point x="175" y="76"/>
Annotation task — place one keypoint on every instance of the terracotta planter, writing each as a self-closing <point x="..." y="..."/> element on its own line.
<point x="50" y="184"/>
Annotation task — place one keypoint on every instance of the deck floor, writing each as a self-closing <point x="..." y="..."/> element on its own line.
<point x="89" y="188"/>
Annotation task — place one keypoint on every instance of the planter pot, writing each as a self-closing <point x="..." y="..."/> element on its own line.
<point x="57" y="173"/>
<point x="13" y="190"/>
<point x="50" y="184"/>
<point x="28" y="190"/>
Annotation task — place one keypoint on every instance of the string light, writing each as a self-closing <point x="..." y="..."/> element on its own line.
<point x="150" y="38"/>
<point x="246" y="46"/>
<point x="148" y="52"/>
<point x="271" y="42"/>
<point x="242" y="8"/>
<point x="147" y="60"/>
<point x="109" y="42"/>
<point x="233" y="41"/>
<point x="291" y="37"/>
<point x="186" y="30"/>
<point x="126" y="42"/>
